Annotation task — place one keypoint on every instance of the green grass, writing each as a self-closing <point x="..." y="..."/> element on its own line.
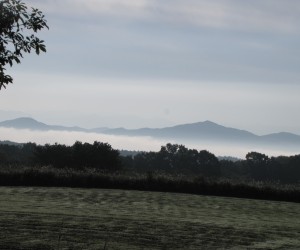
<point x="65" y="218"/>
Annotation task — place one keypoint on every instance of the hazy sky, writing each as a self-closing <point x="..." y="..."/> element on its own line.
<point x="153" y="63"/>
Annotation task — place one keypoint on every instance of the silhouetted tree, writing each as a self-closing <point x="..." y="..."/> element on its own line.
<point x="208" y="163"/>
<point x="16" y="23"/>
<point x="258" y="165"/>
<point x="104" y="156"/>
<point x="56" y="155"/>
<point x="97" y="155"/>
<point x="146" y="161"/>
<point x="294" y="169"/>
<point x="22" y="154"/>
<point x="175" y="158"/>
<point x="3" y="158"/>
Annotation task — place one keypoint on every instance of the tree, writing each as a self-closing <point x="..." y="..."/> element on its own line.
<point x="258" y="165"/>
<point x="18" y="26"/>
<point x="208" y="163"/>
<point x="98" y="155"/>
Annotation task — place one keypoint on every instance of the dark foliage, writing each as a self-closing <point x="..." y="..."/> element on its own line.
<point x="171" y="159"/>
<point x="16" y="23"/>
<point x="17" y="154"/>
<point x="174" y="168"/>
<point x="174" y="158"/>
<point x="97" y="155"/>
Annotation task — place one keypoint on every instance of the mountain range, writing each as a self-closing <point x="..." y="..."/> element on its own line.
<point x="194" y="132"/>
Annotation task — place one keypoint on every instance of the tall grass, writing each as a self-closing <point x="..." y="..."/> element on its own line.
<point x="90" y="178"/>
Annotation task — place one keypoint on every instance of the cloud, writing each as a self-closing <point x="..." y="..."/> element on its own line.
<point x="129" y="8"/>
<point x="69" y="138"/>
<point x="129" y="143"/>
<point x="241" y="15"/>
<point x="257" y="15"/>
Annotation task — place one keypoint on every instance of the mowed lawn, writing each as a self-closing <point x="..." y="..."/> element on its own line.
<point x="66" y="218"/>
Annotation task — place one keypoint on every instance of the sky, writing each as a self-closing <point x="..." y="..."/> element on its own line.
<point x="152" y="63"/>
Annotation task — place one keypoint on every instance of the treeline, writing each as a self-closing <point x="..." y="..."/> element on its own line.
<point x="172" y="159"/>
<point x="177" y="159"/>
<point x="78" y="156"/>
<point x="174" y="168"/>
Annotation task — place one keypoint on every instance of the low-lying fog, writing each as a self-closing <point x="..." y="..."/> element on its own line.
<point x="130" y="143"/>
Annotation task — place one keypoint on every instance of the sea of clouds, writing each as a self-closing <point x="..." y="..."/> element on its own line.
<point x="130" y="143"/>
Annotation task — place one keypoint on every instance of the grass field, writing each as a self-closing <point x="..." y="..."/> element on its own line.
<point x="65" y="218"/>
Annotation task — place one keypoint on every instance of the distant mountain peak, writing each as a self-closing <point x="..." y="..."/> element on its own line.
<point x="23" y="122"/>
<point x="24" y="119"/>
<point x="209" y="122"/>
<point x="204" y="123"/>
<point x="32" y="124"/>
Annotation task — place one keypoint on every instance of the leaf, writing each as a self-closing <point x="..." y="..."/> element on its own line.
<point x="17" y="60"/>
<point x="43" y="48"/>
